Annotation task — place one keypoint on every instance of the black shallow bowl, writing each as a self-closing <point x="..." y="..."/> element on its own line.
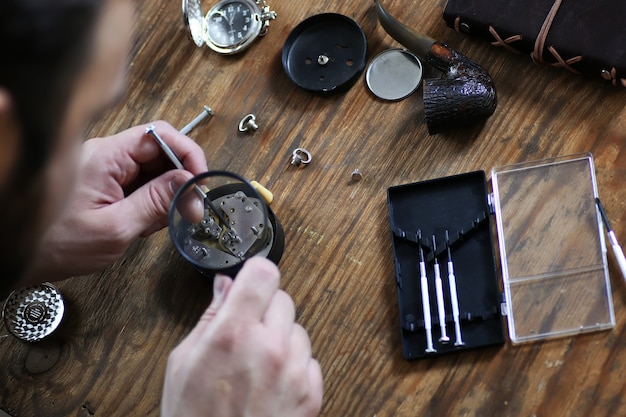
<point x="337" y="38"/>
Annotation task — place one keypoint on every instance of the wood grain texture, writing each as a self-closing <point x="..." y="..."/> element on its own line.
<point x="108" y="359"/>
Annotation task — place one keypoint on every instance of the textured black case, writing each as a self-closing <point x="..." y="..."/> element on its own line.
<point x="587" y="37"/>
<point x="458" y="204"/>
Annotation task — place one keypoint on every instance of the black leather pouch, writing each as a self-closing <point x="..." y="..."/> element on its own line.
<point x="583" y="36"/>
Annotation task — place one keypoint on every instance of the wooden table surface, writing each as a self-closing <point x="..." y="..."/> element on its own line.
<point x="108" y="358"/>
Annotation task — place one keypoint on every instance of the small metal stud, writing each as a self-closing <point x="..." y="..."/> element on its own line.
<point x="465" y="28"/>
<point x="248" y="123"/>
<point x="300" y="156"/>
<point x="356" y="175"/>
<point x="606" y="74"/>
<point x="322" y="60"/>
<point x="207" y="111"/>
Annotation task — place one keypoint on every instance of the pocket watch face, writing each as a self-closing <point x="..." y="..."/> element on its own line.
<point x="232" y="23"/>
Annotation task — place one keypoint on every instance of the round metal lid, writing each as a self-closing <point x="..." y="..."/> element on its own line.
<point x="33" y="313"/>
<point x="194" y="20"/>
<point x="394" y="74"/>
<point x="325" y="53"/>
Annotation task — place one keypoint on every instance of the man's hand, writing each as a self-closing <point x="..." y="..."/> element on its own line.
<point x="124" y="188"/>
<point x="246" y="356"/>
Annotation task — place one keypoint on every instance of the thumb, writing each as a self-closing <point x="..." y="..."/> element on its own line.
<point x="147" y="207"/>
<point x="221" y="287"/>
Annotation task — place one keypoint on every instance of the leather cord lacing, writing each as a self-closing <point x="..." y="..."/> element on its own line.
<point x="540" y="41"/>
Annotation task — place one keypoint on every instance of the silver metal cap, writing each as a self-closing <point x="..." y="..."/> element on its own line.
<point x="194" y="20"/>
<point x="33" y="313"/>
<point x="394" y="74"/>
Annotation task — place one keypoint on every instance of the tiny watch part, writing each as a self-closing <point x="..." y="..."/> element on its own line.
<point x="300" y="157"/>
<point x="33" y="313"/>
<point x="230" y="26"/>
<point x="248" y="124"/>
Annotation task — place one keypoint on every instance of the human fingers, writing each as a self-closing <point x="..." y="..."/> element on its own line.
<point x="190" y="205"/>
<point x="149" y="204"/>
<point x="300" y="343"/>
<point x="316" y="388"/>
<point x="281" y="313"/>
<point x="304" y="374"/>
<point x="221" y="286"/>
<point x="189" y="153"/>
<point x="142" y="147"/>
<point x="252" y="292"/>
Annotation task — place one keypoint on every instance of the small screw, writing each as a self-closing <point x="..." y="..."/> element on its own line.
<point x="207" y="111"/>
<point x="322" y="60"/>
<point x="248" y="123"/>
<point x="356" y="175"/>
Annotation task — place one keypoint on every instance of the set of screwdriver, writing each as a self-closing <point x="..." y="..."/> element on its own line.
<point x="441" y="308"/>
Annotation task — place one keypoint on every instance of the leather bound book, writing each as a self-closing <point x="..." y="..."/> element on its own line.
<point x="583" y="36"/>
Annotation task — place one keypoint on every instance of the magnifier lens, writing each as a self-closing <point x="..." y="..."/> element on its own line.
<point x="218" y="220"/>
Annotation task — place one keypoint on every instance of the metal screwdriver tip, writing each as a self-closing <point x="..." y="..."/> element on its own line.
<point x="605" y="219"/>
<point x="617" y="249"/>
<point x="441" y="309"/>
<point x="151" y="130"/>
<point x="448" y="246"/>
<point x="419" y="244"/>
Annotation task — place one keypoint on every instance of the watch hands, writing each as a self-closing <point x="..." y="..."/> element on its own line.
<point x="221" y="13"/>
<point x="231" y="18"/>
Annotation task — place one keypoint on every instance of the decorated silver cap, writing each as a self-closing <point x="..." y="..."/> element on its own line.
<point x="194" y="20"/>
<point x="33" y="313"/>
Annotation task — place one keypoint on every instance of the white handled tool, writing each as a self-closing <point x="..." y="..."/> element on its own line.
<point x="617" y="249"/>
<point x="428" y="326"/>
<point x="441" y="309"/>
<point x="453" y="296"/>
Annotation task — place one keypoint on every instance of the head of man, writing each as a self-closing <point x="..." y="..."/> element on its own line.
<point x="63" y="63"/>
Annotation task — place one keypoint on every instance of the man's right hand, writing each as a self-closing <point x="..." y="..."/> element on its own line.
<point x="246" y="356"/>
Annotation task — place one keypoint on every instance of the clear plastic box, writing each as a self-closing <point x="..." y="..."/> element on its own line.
<point x="554" y="275"/>
<point x="552" y="248"/>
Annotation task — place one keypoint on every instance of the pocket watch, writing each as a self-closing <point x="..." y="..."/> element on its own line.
<point x="230" y="26"/>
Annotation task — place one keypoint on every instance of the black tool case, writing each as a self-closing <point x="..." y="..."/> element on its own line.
<point x="553" y="280"/>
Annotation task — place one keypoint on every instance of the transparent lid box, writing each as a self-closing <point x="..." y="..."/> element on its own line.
<point x="553" y="277"/>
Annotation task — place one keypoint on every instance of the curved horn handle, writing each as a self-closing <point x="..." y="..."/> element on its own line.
<point x="466" y="96"/>
<point x="415" y="42"/>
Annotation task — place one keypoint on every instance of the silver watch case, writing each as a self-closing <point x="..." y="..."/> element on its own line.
<point x="198" y="24"/>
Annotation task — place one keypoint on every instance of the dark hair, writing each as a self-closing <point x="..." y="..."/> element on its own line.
<point x="44" y="45"/>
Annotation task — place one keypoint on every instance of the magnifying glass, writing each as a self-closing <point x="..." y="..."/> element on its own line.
<point x="218" y="220"/>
